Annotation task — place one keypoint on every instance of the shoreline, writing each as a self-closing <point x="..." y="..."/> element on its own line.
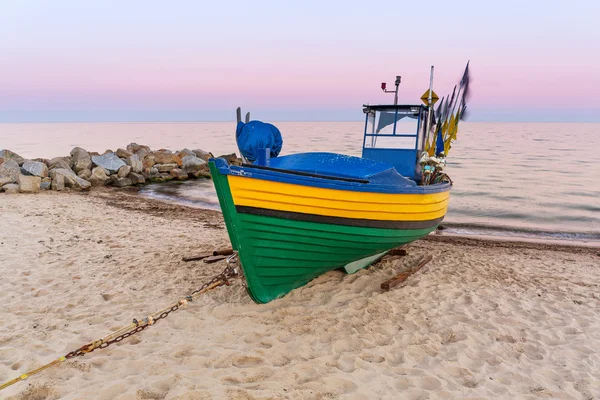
<point x="442" y="235"/>
<point x="483" y="319"/>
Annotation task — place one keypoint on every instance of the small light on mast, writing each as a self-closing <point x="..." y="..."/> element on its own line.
<point x="383" y="86"/>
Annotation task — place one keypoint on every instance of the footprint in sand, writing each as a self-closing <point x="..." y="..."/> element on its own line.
<point x="245" y="361"/>
<point x="427" y="383"/>
<point x="372" y="358"/>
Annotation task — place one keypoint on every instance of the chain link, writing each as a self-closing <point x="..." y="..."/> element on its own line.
<point x="222" y="279"/>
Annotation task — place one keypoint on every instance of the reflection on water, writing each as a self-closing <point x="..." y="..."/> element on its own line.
<point x="512" y="177"/>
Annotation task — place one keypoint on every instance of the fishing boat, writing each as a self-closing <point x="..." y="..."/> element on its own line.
<point x="292" y="218"/>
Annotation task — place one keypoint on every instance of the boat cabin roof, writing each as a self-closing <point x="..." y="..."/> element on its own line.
<point x="387" y="107"/>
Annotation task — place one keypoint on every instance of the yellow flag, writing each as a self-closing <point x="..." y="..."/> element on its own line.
<point x="447" y="146"/>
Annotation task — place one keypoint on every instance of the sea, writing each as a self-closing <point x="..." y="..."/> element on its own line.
<point x="530" y="181"/>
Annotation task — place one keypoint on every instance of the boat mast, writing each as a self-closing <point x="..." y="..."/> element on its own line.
<point x="430" y="106"/>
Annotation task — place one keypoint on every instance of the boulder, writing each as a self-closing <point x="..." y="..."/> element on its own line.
<point x="10" y="169"/>
<point x="201" y="174"/>
<point x="80" y="160"/>
<point x="4" y="181"/>
<point x="185" y="152"/>
<point x="137" y="179"/>
<point x="124" y="171"/>
<point x="58" y="182"/>
<point x="231" y="159"/>
<point x="122" y="153"/>
<point x="9" y="155"/>
<point x="151" y="172"/>
<point x="135" y="163"/>
<point x="176" y="173"/>
<point x="60" y="162"/>
<point x="109" y="161"/>
<point x="46" y="183"/>
<point x="134" y="147"/>
<point x="166" y="157"/>
<point x="42" y="160"/>
<point x="120" y="182"/>
<point x="70" y="179"/>
<point x="148" y="160"/>
<point x="165" y="177"/>
<point x="99" y="177"/>
<point x="203" y="154"/>
<point x="85" y="174"/>
<point x="29" y="184"/>
<point x="11" y="188"/>
<point x="165" y="167"/>
<point x="35" y="168"/>
<point x="193" y="163"/>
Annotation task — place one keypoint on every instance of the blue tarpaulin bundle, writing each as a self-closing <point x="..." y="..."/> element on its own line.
<point x="256" y="135"/>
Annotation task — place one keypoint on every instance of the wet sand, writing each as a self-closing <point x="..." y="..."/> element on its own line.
<point x="484" y="319"/>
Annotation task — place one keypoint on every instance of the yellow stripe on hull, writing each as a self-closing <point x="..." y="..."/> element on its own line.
<point x="271" y="195"/>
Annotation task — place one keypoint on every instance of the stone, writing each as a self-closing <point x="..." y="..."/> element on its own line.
<point x="201" y="174"/>
<point x="11" y="188"/>
<point x="135" y="163"/>
<point x="166" y="157"/>
<point x="85" y="174"/>
<point x="35" y="168"/>
<point x="124" y="171"/>
<point x="203" y="154"/>
<point x="165" y="167"/>
<point x="134" y="147"/>
<point x="42" y="160"/>
<point x="122" y="153"/>
<point x="70" y="179"/>
<point x="231" y="159"/>
<point x="29" y="184"/>
<point x="99" y="177"/>
<point x="148" y="160"/>
<point x="176" y="173"/>
<point x="4" y="181"/>
<point x="193" y="163"/>
<point x="137" y="179"/>
<point x="109" y="161"/>
<point x="80" y="160"/>
<point x="166" y="177"/>
<point x="120" y="182"/>
<point x="46" y="183"/>
<point x="60" y="162"/>
<point x="10" y="169"/>
<point x="58" y="182"/>
<point x="151" y="172"/>
<point x="9" y="155"/>
<point x="185" y="152"/>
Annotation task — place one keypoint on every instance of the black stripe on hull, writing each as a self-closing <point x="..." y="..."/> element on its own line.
<point x="324" y="219"/>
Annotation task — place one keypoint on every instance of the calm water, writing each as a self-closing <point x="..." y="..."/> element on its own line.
<point x="510" y="179"/>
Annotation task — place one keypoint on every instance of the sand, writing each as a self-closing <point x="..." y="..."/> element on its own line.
<point x="482" y="320"/>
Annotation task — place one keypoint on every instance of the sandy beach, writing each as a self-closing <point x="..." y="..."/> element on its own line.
<point x="482" y="320"/>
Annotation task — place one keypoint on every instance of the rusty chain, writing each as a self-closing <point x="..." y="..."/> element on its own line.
<point x="137" y="326"/>
<point x="219" y="280"/>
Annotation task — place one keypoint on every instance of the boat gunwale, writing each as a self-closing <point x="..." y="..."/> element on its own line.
<point x="288" y="176"/>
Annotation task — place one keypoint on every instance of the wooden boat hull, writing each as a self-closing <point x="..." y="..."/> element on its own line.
<point x="286" y="234"/>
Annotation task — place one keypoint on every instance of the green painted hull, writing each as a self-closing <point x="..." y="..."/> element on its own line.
<point x="278" y="255"/>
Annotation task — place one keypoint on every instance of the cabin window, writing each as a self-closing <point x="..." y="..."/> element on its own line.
<point x="392" y="129"/>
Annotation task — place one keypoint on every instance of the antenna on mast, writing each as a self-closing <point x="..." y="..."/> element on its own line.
<point x="397" y="83"/>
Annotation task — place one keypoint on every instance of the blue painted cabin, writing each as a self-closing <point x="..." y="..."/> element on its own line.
<point x="394" y="135"/>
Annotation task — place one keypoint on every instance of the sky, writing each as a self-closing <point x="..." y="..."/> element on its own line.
<point x="133" y="60"/>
